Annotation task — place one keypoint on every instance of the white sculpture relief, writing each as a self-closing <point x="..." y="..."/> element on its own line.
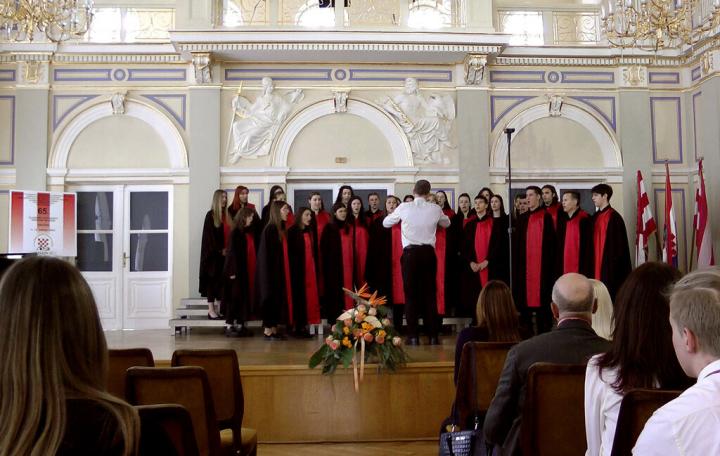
<point x="555" y="104"/>
<point x="427" y="121"/>
<point x="201" y="63"/>
<point x="475" y="68"/>
<point x="340" y="100"/>
<point x="634" y="76"/>
<point x="34" y="72"/>
<point x="118" y="103"/>
<point x="255" y="124"/>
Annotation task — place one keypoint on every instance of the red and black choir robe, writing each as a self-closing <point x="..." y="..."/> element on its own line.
<point x="265" y="217"/>
<point x="534" y="249"/>
<point x="482" y="241"/>
<point x="256" y="225"/>
<point x="240" y="262"/>
<point x="553" y="210"/>
<point x="360" y="242"/>
<point x="338" y="261"/>
<point x="383" y="262"/>
<point x="320" y="221"/>
<point x="459" y="273"/>
<point x="500" y="269"/>
<point x="370" y="217"/>
<point x="449" y="212"/>
<point x="441" y="256"/>
<point x="273" y="280"/>
<point x="610" y="256"/>
<point x="573" y="235"/>
<point x="304" y="273"/>
<point x="212" y="260"/>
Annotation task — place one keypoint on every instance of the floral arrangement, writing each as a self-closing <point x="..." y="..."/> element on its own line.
<point x="363" y="332"/>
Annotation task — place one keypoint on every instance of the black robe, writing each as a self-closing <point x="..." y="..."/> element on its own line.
<point x="472" y="286"/>
<point x="585" y="249"/>
<point x="270" y="278"/>
<point x="296" y="250"/>
<point x="238" y="303"/>
<point x="378" y="270"/>
<point x="501" y="250"/>
<point x="333" y="268"/>
<point x="212" y="260"/>
<point x="548" y="273"/>
<point x="457" y="272"/>
<point x="255" y="225"/>
<point x="616" y="263"/>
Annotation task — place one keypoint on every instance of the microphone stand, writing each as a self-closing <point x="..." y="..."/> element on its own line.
<point x="509" y="132"/>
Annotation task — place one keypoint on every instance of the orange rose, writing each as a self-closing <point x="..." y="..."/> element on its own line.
<point x="368" y="337"/>
<point x="380" y="339"/>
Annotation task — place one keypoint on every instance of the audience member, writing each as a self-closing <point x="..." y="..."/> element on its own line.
<point x="573" y="341"/>
<point x="602" y="319"/>
<point x="497" y="319"/>
<point x="689" y="424"/>
<point x="53" y="398"/>
<point x="640" y="355"/>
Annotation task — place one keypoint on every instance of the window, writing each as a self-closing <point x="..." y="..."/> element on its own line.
<point x="525" y="27"/>
<point x="311" y="15"/>
<point x="131" y="25"/>
<point x="432" y="13"/>
<point x="243" y="12"/>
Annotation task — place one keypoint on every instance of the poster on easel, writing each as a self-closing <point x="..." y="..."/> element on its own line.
<point x="43" y="223"/>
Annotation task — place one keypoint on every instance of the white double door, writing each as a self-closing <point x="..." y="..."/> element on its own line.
<point x="125" y="253"/>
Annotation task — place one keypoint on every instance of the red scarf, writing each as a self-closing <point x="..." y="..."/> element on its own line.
<point x="483" y="230"/>
<point x="361" y="246"/>
<point x="312" y="301"/>
<point x="251" y="262"/>
<point x="449" y="212"/>
<point x="398" y="293"/>
<point x="288" y="283"/>
<point x="599" y="238"/>
<point x="226" y="232"/>
<point x="440" y="236"/>
<point x="553" y="211"/>
<point x="571" y="255"/>
<point x="346" y="244"/>
<point x="533" y="257"/>
<point x="468" y="220"/>
<point x="322" y="218"/>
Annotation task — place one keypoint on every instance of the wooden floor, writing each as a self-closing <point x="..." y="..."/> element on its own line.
<point x="255" y="351"/>
<point x="361" y="448"/>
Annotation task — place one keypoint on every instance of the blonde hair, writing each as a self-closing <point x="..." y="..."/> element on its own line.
<point x="52" y="349"/>
<point x="695" y="305"/>
<point x="218" y="211"/>
<point x="602" y="319"/>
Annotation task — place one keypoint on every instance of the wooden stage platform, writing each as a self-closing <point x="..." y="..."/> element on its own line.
<point x="288" y="402"/>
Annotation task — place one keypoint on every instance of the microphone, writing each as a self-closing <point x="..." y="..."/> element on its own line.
<point x="509" y="131"/>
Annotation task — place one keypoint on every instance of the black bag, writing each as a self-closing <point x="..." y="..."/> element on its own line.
<point x="469" y="442"/>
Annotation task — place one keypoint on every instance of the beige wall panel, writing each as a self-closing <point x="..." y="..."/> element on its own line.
<point x="181" y="241"/>
<point x="340" y="135"/>
<point x="7" y="119"/>
<point x="555" y="142"/>
<point x="4" y="214"/>
<point x="666" y="129"/>
<point x="118" y="142"/>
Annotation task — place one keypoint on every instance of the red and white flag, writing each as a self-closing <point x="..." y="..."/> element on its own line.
<point x="703" y="236"/>
<point x="670" y="250"/>
<point x="645" y="222"/>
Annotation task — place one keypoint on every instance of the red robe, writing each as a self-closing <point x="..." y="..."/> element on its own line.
<point x="312" y="299"/>
<point x="610" y="259"/>
<point x="535" y="251"/>
<point x="360" y="252"/>
<point x="553" y="211"/>
<point x="572" y="238"/>
<point x="440" y="252"/>
<point x="483" y="231"/>
<point x="322" y="218"/>
<point x="397" y="281"/>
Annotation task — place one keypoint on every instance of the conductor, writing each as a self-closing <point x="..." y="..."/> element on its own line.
<point x="418" y="262"/>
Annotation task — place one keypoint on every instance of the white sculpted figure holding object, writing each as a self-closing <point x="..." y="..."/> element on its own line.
<point x="255" y="124"/>
<point x="427" y="121"/>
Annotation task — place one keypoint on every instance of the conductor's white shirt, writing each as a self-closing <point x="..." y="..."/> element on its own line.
<point x="688" y="425"/>
<point x="419" y="221"/>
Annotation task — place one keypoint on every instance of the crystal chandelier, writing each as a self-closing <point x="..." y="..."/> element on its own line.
<point x="653" y="25"/>
<point x="59" y="20"/>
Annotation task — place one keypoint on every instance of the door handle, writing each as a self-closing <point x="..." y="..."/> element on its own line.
<point x="124" y="259"/>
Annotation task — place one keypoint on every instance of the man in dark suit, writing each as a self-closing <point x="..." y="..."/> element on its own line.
<point x="572" y="342"/>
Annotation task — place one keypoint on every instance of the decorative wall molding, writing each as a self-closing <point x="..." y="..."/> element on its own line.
<point x="609" y="175"/>
<point x="7" y="75"/>
<point x="655" y="102"/>
<point x="62" y="176"/>
<point x="594" y="102"/>
<point x="398" y="175"/>
<point x="392" y="75"/>
<point x="279" y="74"/>
<point x="165" y="101"/>
<point x="496" y="114"/>
<point x="609" y="147"/>
<point x="7" y="177"/>
<point x="119" y="75"/>
<point x="169" y="134"/>
<point x="695" y="97"/>
<point x="402" y="154"/>
<point x="10" y="100"/>
<point x="60" y="109"/>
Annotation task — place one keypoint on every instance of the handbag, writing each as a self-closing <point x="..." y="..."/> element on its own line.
<point x="469" y="442"/>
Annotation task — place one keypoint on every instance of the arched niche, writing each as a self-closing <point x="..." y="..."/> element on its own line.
<point x="149" y="123"/>
<point x="604" y="152"/>
<point x="395" y="138"/>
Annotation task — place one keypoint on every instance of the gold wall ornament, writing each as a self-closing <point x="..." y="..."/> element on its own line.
<point x="651" y="25"/>
<point x="634" y="76"/>
<point x="59" y="20"/>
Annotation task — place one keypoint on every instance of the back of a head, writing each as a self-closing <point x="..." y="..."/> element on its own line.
<point x="641" y="347"/>
<point x="695" y="305"/>
<point x="496" y="311"/>
<point x="573" y="295"/>
<point x="422" y="188"/>
<point x="52" y="348"/>
<point x="602" y="318"/>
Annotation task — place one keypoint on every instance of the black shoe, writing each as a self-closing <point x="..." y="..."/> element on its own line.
<point x="268" y="336"/>
<point x="434" y="340"/>
<point x="412" y="341"/>
<point x="210" y="317"/>
<point x="232" y="332"/>
<point x="244" y="332"/>
<point x="278" y="337"/>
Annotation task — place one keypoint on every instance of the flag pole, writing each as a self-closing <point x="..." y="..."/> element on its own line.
<point x="509" y="132"/>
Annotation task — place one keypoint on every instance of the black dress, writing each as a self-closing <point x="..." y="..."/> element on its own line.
<point x="271" y="282"/>
<point x="212" y="260"/>
<point x="239" y="296"/>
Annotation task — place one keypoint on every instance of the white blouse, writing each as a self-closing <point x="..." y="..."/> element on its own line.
<point x="602" y="405"/>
